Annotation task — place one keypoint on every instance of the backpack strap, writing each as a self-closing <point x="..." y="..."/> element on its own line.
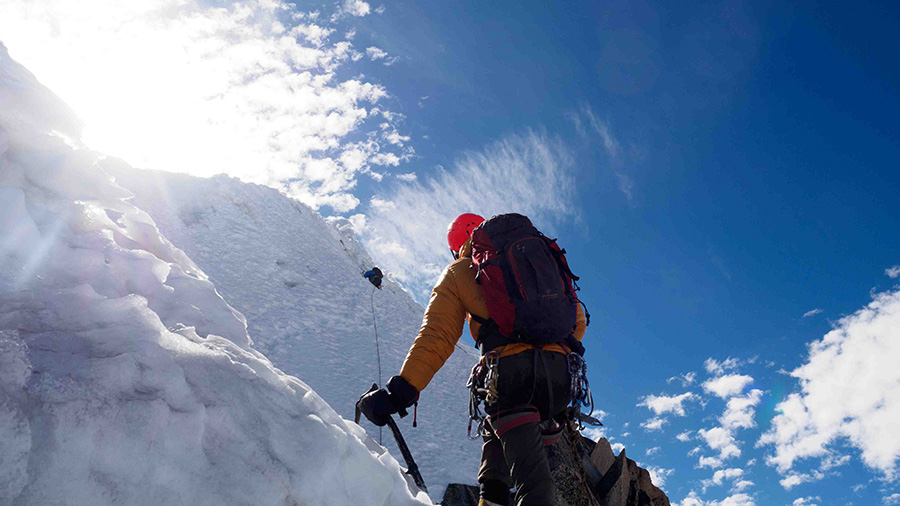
<point x="587" y="314"/>
<point x="489" y="336"/>
<point x="481" y="321"/>
<point x="559" y="254"/>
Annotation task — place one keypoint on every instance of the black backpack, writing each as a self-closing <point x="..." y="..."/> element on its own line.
<point x="528" y="287"/>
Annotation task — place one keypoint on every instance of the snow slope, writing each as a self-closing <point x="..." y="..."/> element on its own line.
<point x="297" y="279"/>
<point x="125" y="378"/>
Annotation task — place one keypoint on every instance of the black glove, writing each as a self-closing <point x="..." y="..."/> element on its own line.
<point x="377" y="406"/>
<point x="380" y="404"/>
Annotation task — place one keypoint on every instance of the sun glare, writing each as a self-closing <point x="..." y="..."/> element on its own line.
<point x="174" y="86"/>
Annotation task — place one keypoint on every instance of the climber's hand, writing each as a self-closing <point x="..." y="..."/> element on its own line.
<point x="378" y="406"/>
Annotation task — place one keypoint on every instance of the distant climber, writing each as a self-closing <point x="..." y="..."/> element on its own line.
<point x="529" y="333"/>
<point x="374" y="276"/>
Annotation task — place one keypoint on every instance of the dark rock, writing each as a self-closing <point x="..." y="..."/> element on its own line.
<point x="460" y="495"/>
<point x="626" y="484"/>
<point x="602" y="456"/>
<point x="586" y="474"/>
<point x="567" y="466"/>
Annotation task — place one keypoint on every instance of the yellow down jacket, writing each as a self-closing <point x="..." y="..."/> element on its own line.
<point x="456" y="297"/>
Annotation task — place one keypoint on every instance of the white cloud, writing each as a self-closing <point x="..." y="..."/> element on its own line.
<point x="626" y="184"/>
<point x="408" y="177"/>
<point x="791" y="480"/>
<point x="740" y="411"/>
<point x="602" y="129"/>
<point x="832" y="461"/>
<point x="728" y="385"/>
<point x="721" y="440"/>
<point x="358" y="221"/>
<point x="658" y="475"/>
<point x="661" y="404"/>
<point x="806" y="501"/>
<point x="893" y="272"/>
<point x="248" y="89"/>
<point x="691" y="500"/>
<point x="356" y="8"/>
<point x="891" y="499"/>
<point x="812" y="312"/>
<point x="654" y="424"/>
<point x="713" y="366"/>
<point x="314" y="34"/>
<point x="529" y="173"/>
<point x="684" y="437"/>
<point x="376" y="53"/>
<point x="721" y="475"/>
<point x="741" y="485"/>
<point x="739" y="499"/>
<point x="586" y="118"/>
<point x="594" y="433"/>
<point x="617" y="448"/>
<point x="686" y="379"/>
<point x="711" y="462"/>
<point x="394" y="137"/>
<point x="652" y="451"/>
<point x="849" y="390"/>
<point x="727" y="474"/>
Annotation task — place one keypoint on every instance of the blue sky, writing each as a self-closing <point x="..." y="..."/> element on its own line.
<point x="743" y="173"/>
<point x="716" y="170"/>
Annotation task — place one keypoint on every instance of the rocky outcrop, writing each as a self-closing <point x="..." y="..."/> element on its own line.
<point x="624" y="483"/>
<point x="586" y="474"/>
<point x="458" y="494"/>
<point x="569" y="464"/>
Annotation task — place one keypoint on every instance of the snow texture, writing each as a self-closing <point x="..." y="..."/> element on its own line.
<point x="125" y="378"/>
<point x="298" y="279"/>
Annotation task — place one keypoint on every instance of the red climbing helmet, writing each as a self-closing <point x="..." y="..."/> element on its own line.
<point x="460" y="229"/>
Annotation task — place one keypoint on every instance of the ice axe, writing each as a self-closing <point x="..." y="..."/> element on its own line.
<point x="412" y="468"/>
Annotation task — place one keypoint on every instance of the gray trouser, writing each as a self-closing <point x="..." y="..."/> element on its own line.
<point x="533" y="387"/>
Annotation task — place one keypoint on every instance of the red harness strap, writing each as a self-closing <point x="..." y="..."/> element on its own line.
<point x="505" y="421"/>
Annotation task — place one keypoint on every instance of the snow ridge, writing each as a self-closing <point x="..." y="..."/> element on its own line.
<point x="125" y="378"/>
<point x="298" y="279"/>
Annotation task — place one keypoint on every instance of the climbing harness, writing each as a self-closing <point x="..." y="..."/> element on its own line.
<point x="482" y="385"/>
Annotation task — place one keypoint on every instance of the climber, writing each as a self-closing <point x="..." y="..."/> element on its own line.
<point x="374" y="276"/>
<point x="528" y="380"/>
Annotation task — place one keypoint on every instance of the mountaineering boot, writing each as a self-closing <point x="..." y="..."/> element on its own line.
<point x="494" y="492"/>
